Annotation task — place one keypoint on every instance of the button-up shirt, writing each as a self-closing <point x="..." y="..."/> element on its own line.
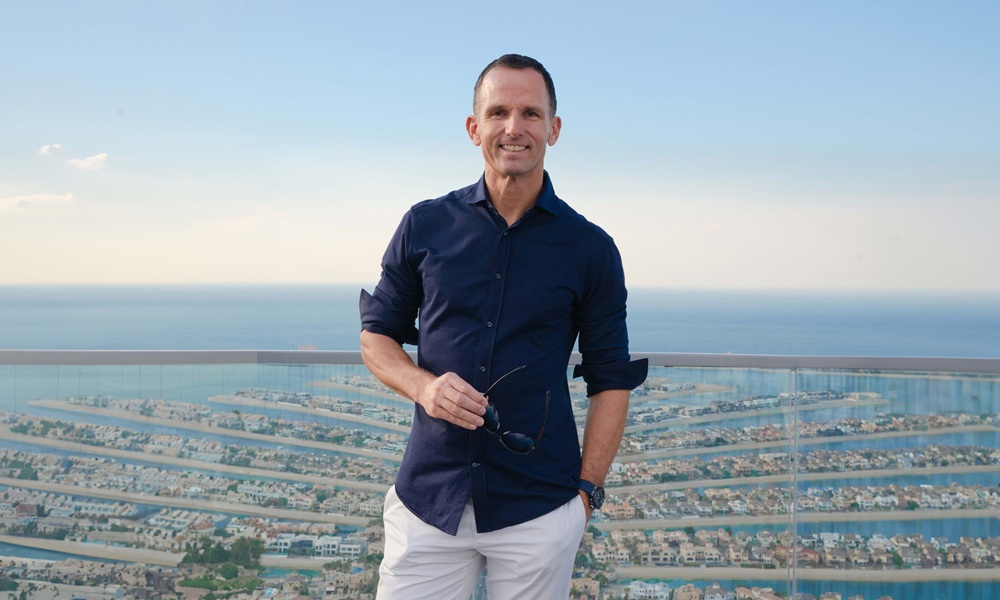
<point x="490" y="298"/>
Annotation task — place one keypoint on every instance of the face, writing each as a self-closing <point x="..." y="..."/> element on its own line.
<point x="512" y="123"/>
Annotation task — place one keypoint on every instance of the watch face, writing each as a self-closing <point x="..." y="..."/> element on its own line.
<point x="597" y="498"/>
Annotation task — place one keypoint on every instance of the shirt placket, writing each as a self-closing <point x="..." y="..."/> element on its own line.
<point x="485" y="356"/>
<point x="492" y="305"/>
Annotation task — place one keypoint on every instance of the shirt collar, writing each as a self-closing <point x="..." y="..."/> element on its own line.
<point x="547" y="200"/>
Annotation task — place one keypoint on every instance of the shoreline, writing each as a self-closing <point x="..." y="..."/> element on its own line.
<point x="785" y="478"/>
<point x="211" y="506"/>
<point x="204" y="428"/>
<point x="696" y="573"/>
<point x="106" y="552"/>
<point x="197" y="465"/>
<point x="805" y="441"/>
<point x="782" y="478"/>
<point x="359" y="390"/>
<point x="699" y="388"/>
<point x="801" y="517"/>
<point x="809" y="574"/>
<point x="732" y="416"/>
<point x="308" y="410"/>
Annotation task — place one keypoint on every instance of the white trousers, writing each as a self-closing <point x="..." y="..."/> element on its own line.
<point x="530" y="561"/>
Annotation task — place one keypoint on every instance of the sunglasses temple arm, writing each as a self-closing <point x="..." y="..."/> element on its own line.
<point x="545" y="417"/>
<point x="502" y="377"/>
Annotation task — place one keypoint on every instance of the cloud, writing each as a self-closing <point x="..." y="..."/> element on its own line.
<point x="49" y="149"/>
<point x="49" y="204"/>
<point x="91" y="163"/>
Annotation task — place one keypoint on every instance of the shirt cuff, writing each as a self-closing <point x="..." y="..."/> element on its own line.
<point x="612" y="376"/>
<point x="377" y="317"/>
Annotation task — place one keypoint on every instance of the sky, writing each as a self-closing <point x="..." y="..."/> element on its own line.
<point x="724" y="145"/>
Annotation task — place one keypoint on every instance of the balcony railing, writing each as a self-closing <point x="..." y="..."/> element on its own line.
<point x="871" y="476"/>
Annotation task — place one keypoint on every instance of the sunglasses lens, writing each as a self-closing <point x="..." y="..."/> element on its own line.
<point x="491" y="421"/>
<point x="518" y="442"/>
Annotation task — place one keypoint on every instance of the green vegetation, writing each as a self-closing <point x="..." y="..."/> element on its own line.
<point x="897" y="560"/>
<point x="229" y="571"/>
<point x="212" y="583"/>
<point x="22" y="428"/>
<point x="28" y="472"/>
<point x="30" y="529"/>
<point x="7" y="585"/>
<point x="243" y="552"/>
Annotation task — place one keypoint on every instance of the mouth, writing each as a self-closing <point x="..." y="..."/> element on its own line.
<point x="511" y="148"/>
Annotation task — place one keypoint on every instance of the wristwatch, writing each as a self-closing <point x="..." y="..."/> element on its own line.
<point x="594" y="492"/>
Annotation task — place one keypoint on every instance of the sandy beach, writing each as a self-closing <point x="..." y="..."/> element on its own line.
<point x="699" y="388"/>
<point x="784" y="520"/>
<point x="785" y="478"/>
<point x="197" y="465"/>
<point x="187" y="503"/>
<point x="143" y="556"/>
<point x="106" y="552"/>
<point x="779" y="479"/>
<point x="808" y="574"/>
<point x="731" y="416"/>
<point x="168" y="559"/>
<point x="283" y="562"/>
<point x="806" y="441"/>
<point x="204" y="428"/>
<point x="360" y="390"/>
<point x="235" y="401"/>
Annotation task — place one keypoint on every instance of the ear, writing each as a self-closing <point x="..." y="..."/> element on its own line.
<point x="554" y="128"/>
<point x="472" y="128"/>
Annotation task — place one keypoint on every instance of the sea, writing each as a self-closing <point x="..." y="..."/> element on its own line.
<point x="325" y="317"/>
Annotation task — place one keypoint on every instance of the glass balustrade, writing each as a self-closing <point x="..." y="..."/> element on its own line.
<point x="805" y="476"/>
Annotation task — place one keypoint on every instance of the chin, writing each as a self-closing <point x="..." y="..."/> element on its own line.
<point x="515" y="170"/>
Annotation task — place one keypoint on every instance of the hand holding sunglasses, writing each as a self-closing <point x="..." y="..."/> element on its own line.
<point x="518" y="443"/>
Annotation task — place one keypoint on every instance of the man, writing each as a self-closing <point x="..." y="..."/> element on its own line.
<point x="504" y="276"/>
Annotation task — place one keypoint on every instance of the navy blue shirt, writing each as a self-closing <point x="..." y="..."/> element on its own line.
<point x="491" y="298"/>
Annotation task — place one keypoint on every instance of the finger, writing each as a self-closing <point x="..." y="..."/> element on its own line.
<point x="443" y="400"/>
<point x="467" y="412"/>
<point x="465" y="391"/>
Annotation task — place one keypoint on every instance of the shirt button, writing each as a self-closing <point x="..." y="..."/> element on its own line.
<point x="474" y="465"/>
<point x="498" y="275"/>
<point x="506" y="233"/>
<point x="489" y="323"/>
<point x="482" y="369"/>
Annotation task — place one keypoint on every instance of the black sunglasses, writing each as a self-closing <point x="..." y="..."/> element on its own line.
<point x="518" y="443"/>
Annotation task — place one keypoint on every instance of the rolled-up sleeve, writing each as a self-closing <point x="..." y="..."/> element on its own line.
<point x="606" y="364"/>
<point x="613" y="376"/>
<point x="378" y="317"/>
<point x="392" y="308"/>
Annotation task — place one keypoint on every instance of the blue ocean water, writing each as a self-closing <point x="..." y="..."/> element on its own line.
<point x="264" y="317"/>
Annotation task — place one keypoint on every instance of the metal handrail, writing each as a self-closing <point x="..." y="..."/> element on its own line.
<point x="660" y="359"/>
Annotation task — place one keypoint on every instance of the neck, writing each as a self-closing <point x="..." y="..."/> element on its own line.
<point x="514" y="196"/>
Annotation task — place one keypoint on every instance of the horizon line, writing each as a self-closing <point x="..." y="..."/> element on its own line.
<point x="631" y="288"/>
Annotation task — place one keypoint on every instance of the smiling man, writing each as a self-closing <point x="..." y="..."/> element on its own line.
<point x="505" y="278"/>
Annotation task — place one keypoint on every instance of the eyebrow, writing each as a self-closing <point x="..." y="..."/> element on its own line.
<point x="530" y="107"/>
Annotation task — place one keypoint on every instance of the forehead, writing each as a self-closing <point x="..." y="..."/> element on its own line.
<point x="513" y="86"/>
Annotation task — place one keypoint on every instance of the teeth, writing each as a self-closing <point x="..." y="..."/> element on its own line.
<point x="514" y="148"/>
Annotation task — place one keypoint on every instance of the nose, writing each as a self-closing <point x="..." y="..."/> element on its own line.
<point x="514" y="125"/>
